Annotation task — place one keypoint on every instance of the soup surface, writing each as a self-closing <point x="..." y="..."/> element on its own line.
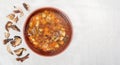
<point x="48" y="31"/>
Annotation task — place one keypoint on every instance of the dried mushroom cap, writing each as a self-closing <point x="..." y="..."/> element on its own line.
<point x="11" y="16"/>
<point x="23" y="58"/>
<point x="26" y="6"/>
<point x="8" y="25"/>
<point x="9" y="50"/>
<point x="16" y="11"/>
<point x="7" y="34"/>
<point x="17" y="41"/>
<point x="19" y="51"/>
<point x="14" y="27"/>
<point x="5" y="41"/>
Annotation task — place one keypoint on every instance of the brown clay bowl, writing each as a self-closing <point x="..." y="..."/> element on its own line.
<point x="66" y="21"/>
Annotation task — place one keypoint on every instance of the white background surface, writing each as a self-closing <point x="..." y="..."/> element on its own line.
<point x="96" y="32"/>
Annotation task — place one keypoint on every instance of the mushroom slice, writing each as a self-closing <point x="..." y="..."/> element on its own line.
<point x="11" y="16"/>
<point x="7" y="34"/>
<point x="17" y="41"/>
<point x="26" y="6"/>
<point x="23" y="58"/>
<point x="9" y="50"/>
<point x="14" y="27"/>
<point x="16" y="19"/>
<point x="8" y="25"/>
<point x="66" y="38"/>
<point x="19" y="51"/>
<point x="5" y="41"/>
<point x="16" y="11"/>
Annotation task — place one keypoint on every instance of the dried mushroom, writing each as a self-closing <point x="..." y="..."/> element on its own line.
<point x="7" y="34"/>
<point x="14" y="27"/>
<point x="9" y="49"/>
<point x="16" y="19"/>
<point x="16" y="11"/>
<point x="23" y="58"/>
<point x="19" y="51"/>
<point x="11" y="16"/>
<point x="8" y="25"/>
<point x="5" y="41"/>
<point x="17" y="41"/>
<point x="26" y="6"/>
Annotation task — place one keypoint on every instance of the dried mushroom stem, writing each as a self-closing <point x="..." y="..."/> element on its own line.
<point x="23" y="58"/>
<point x="5" y="41"/>
<point x="19" y="51"/>
<point x="17" y="41"/>
<point x="9" y="50"/>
